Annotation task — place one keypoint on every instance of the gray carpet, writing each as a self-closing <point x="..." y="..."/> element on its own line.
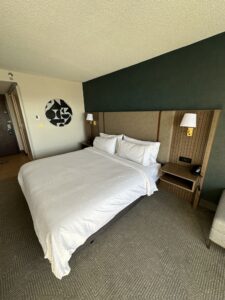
<point x="155" y="251"/>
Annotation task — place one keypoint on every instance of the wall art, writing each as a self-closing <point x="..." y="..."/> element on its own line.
<point x="58" y="112"/>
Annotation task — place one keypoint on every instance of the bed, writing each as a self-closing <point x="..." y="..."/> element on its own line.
<point x="72" y="196"/>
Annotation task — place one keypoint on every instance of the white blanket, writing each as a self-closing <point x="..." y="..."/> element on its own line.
<point x="72" y="196"/>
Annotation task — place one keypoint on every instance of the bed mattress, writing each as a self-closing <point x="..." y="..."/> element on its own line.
<point x="72" y="196"/>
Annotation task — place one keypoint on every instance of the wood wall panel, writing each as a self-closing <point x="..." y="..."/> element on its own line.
<point x="191" y="147"/>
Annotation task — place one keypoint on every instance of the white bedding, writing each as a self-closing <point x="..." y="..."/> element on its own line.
<point x="72" y="196"/>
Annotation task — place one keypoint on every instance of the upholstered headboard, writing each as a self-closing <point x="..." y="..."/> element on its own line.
<point x="143" y="125"/>
<point x="138" y="124"/>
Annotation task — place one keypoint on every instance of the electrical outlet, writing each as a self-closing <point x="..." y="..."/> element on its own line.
<point x="185" y="159"/>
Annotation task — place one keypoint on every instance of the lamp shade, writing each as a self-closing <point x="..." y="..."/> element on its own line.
<point x="189" y="120"/>
<point x="89" y="117"/>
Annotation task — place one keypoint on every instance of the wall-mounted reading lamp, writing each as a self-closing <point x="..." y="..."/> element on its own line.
<point x="92" y="122"/>
<point x="189" y="121"/>
<point x="90" y="119"/>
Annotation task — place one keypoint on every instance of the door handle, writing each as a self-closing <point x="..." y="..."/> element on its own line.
<point x="10" y="128"/>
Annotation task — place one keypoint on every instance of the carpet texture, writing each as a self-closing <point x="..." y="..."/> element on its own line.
<point x="155" y="251"/>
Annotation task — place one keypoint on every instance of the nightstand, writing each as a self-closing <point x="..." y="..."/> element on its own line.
<point x="180" y="177"/>
<point x="86" y="144"/>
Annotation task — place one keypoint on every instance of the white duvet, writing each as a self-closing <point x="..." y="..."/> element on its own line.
<point x="72" y="196"/>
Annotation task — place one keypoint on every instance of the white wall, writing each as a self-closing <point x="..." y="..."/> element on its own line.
<point x="35" y="91"/>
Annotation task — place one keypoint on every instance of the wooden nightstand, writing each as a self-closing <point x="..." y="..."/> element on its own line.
<point x="86" y="144"/>
<point x="182" y="178"/>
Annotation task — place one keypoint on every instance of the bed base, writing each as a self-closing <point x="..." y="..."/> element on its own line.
<point x="94" y="236"/>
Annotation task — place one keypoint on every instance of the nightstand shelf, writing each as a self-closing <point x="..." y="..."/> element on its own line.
<point x="86" y="144"/>
<point x="177" y="177"/>
<point x="177" y="181"/>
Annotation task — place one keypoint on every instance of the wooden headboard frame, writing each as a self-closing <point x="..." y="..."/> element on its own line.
<point x="163" y="126"/>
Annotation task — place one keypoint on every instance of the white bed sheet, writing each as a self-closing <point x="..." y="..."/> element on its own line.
<point x="72" y="196"/>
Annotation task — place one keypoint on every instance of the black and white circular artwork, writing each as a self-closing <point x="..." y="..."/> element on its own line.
<point x="58" y="112"/>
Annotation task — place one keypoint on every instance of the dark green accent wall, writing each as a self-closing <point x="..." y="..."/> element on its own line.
<point x="188" y="78"/>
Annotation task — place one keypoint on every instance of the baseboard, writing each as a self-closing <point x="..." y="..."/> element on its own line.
<point x="207" y="204"/>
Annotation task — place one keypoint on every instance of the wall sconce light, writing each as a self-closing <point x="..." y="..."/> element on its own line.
<point x="90" y="118"/>
<point x="189" y="121"/>
<point x="92" y="122"/>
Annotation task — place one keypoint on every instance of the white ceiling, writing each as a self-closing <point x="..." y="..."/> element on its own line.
<point x="83" y="39"/>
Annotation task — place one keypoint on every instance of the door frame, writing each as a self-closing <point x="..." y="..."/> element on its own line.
<point x="9" y="139"/>
<point x="20" y="119"/>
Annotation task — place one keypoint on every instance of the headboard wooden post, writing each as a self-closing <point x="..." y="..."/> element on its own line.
<point x="165" y="135"/>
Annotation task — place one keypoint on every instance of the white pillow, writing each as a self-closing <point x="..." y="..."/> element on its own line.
<point x="137" y="153"/>
<point x="119" y="137"/>
<point x="154" y="147"/>
<point x="105" y="144"/>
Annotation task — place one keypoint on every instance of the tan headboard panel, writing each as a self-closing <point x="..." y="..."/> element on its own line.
<point x="137" y="124"/>
<point x="143" y="125"/>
